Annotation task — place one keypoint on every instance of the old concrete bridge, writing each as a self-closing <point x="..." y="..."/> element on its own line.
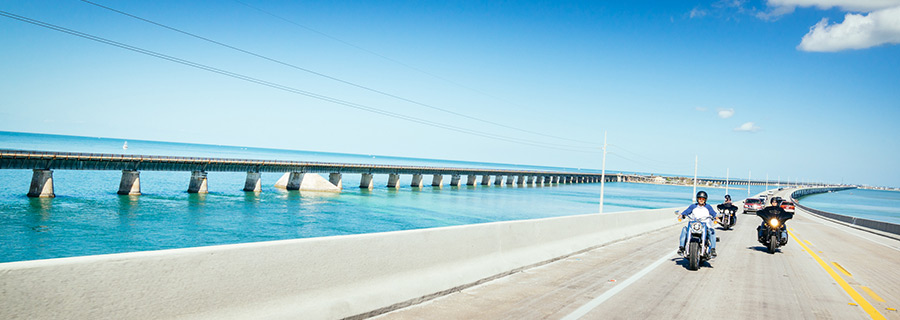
<point x="299" y="175"/>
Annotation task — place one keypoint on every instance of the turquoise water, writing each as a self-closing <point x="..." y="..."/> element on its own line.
<point x="869" y="204"/>
<point x="87" y="217"/>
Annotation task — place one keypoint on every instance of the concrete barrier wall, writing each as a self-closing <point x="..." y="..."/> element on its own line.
<point x="871" y="224"/>
<point x="317" y="278"/>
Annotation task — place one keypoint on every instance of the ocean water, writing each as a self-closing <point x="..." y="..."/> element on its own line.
<point x="877" y="205"/>
<point x="87" y="217"/>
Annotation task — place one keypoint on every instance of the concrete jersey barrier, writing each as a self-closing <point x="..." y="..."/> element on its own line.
<point x="888" y="227"/>
<point x="317" y="278"/>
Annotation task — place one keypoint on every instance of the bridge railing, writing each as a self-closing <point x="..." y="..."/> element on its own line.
<point x="888" y="227"/>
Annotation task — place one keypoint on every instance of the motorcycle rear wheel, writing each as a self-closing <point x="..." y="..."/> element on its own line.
<point x="694" y="256"/>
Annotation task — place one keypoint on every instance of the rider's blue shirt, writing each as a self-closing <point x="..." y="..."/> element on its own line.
<point x="704" y="213"/>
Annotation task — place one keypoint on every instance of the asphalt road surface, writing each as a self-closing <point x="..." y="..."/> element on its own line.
<point x="826" y="271"/>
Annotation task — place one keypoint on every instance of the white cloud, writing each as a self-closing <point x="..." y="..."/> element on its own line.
<point x="855" y="32"/>
<point x="747" y="127"/>
<point x="775" y="13"/>
<point x="846" y="5"/>
<point x="697" y="13"/>
<point x="726" y="113"/>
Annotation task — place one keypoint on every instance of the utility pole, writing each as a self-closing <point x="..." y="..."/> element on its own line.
<point x="603" y="172"/>
<point x="696" y="160"/>
<point x="726" y="181"/>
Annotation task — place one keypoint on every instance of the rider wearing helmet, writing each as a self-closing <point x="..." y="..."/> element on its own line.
<point x="727" y="205"/>
<point x="703" y="212"/>
<point x="773" y="211"/>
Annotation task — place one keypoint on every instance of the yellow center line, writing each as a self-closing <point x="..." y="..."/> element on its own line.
<point x="842" y="269"/>
<point x="844" y="285"/>
<point x="872" y="294"/>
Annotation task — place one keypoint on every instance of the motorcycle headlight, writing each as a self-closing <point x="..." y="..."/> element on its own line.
<point x="695" y="227"/>
<point x="773" y="223"/>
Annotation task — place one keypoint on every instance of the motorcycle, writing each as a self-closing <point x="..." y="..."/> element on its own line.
<point x="697" y="250"/>
<point x="728" y="217"/>
<point x="773" y="235"/>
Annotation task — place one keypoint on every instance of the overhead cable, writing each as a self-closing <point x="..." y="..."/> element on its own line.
<point x="283" y="87"/>
<point x="330" y="77"/>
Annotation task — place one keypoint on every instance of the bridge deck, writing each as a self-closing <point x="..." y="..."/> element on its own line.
<point x="19" y="159"/>
<point x="743" y="282"/>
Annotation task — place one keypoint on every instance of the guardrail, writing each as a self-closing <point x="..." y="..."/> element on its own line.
<point x="888" y="227"/>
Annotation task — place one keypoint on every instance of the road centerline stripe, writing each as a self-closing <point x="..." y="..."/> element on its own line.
<point x="872" y="294"/>
<point x="858" y="298"/>
<point x="841" y="268"/>
<point x="583" y="310"/>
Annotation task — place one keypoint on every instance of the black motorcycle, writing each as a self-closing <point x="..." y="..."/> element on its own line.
<point x="727" y="214"/>
<point x="773" y="234"/>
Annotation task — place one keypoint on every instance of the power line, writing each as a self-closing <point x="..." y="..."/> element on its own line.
<point x="327" y="76"/>
<point x="386" y="58"/>
<point x="281" y="87"/>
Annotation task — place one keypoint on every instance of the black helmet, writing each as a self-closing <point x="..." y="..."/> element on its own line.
<point x="727" y="197"/>
<point x="702" y="194"/>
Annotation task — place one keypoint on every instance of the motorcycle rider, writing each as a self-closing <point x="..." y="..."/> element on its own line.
<point x="773" y="211"/>
<point x="705" y="213"/>
<point x="727" y="205"/>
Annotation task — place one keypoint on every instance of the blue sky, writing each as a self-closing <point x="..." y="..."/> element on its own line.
<point x="796" y="89"/>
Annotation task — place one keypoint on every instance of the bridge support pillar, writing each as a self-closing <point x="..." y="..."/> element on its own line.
<point x="41" y="184"/>
<point x="335" y="179"/>
<point x="416" y="180"/>
<point x="394" y="181"/>
<point x="520" y="180"/>
<point x="485" y="180"/>
<point x="498" y="180"/>
<point x="253" y="182"/>
<point x="530" y="180"/>
<point x="305" y="182"/>
<point x="130" y="183"/>
<point x="555" y="180"/>
<point x="437" y="180"/>
<point x="539" y="180"/>
<point x="510" y="179"/>
<point x="365" y="182"/>
<point x="470" y="180"/>
<point x="198" y="182"/>
<point x="454" y="180"/>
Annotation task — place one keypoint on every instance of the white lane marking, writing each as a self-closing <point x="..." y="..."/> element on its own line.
<point x="583" y="310"/>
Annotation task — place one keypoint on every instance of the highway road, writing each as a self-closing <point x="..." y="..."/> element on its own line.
<point x="826" y="271"/>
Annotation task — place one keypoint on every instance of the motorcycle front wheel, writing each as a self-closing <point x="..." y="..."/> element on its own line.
<point x="694" y="256"/>
<point x="773" y="243"/>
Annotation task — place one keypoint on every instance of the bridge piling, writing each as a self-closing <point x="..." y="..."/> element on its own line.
<point x="455" y="180"/>
<point x="416" y="181"/>
<point x="393" y="181"/>
<point x="510" y="180"/>
<point x="366" y="181"/>
<point x="437" y="180"/>
<point x="486" y="180"/>
<point x="470" y="180"/>
<point x="198" y="182"/>
<point x="498" y="180"/>
<point x="130" y="183"/>
<point x="335" y="179"/>
<point x="253" y="182"/>
<point x="41" y="184"/>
